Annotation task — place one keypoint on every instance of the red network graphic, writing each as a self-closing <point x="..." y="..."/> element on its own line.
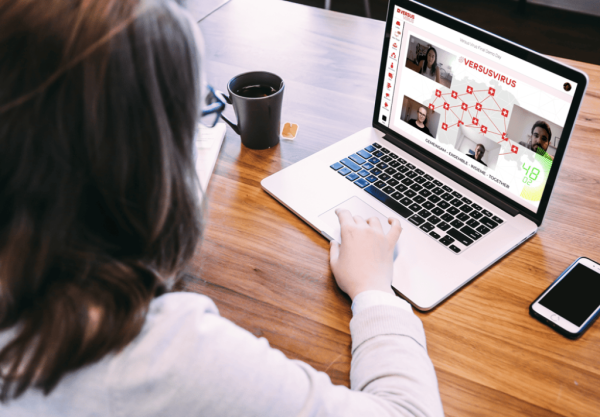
<point x="473" y="113"/>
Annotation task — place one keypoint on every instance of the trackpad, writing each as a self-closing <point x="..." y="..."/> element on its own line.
<point x="358" y="208"/>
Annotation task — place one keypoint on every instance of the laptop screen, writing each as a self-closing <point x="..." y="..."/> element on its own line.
<point x="494" y="116"/>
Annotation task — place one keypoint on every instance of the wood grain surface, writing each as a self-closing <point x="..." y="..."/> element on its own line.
<point x="269" y="272"/>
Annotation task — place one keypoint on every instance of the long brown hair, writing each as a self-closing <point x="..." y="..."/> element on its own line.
<point x="98" y="105"/>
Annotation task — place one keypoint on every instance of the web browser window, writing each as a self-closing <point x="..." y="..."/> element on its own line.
<point x="496" y="117"/>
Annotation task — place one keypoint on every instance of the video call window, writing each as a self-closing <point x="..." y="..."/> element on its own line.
<point x="420" y="117"/>
<point x="533" y="132"/>
<point x="430" y="61"/>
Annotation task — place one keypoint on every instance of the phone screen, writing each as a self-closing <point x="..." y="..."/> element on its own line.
<point x="576" y="296"/>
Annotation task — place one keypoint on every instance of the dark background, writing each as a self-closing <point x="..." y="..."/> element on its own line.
<point x="549" y="30"/>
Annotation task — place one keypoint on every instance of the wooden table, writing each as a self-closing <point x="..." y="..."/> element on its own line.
<point x="269" y="272"/>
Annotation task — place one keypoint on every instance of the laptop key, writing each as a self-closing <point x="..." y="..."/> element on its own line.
<point x="411" y="174"/>
<point x="388" y="201"/>
<point x="371" y="178"/>
<point x="424" y="213"/>
<point x="388" y="190"/>
<point x="447" y="218"/>
<point x="443" y="204"/>
<point x="376" y="145"/>
<point x="336" y="166"/>
<point x="420" y="180"/>
<point x="361" y="182"/>
<point x="427" y="227"/>
<point x="476" y="206"/>
<point x="443" y="226"/>
<point x="415" y="207"/>
<point x="394" y="164"/>
<point x="363" y="173"/>
<point x="398" y="176"/>
<point x="380" y="184"/>
<point x="470" y="232"/>
<point x="488" y="223"/>
<point x="466" y="209"/>
<point x="452" y="210"/>
<point x="425" y="193"/>
<point x="406" y="201"/>
<point x="473" y="223"/>
<point x="393" y="182"/>
<point x="407" y="181"/>
<point x="376" y="171"/>
<point x="446" y="240"/>
<point x="466" y="200"/>
<point x="370" y="148"/>
<point x="410" y="193"/>
<point x="378" y="154"/>
<point x="457" y="224"/>
<point x="357" y="159"/>
<point x="382" y="165"/>
<point x="352" y="176"/>
<point x="429" y="185"/>
<point x="418" y="171"/>
<point x="390" y="171"/>
<point x="416" y="220"/>
<point x="483" y="230"/>
<point x="438" y="183"/>
<point x="419" y="200"/>
<point x="401" y="188"/>
<point x="434" y="199"/>
<point x="476" y="214"/>
<point x="429" y="177"/>
<point x="344" y="171"/>
<point x="374" y="160"/>
<point x="457" y="194"/>
<point x="397" y="195"/>
<point x="447" y="197"/>
<point x="434" y="235"/>
<point x="460" y="237"/>
<point x="352" y="165"/>
<point x="386" y="158"/>
<point x="454" y="248"/>
<point x="364" y="154"/>
<point x="447" y="189"/>
<point x="416" y="187"/>
<point x="428" y="205"/>
<point x="487" y="213"/>
<point x="434" y="219"/>
<point x="367" y="166"/>
<point x="411" y="166"/>
<point x="456" y="202"/>
<point x="462" y="217"/>
<point x="403" y="168"/>
<point x="437" y="191"/>
<point x="384" y="177"/>
<point x="393" y="155"/>
<point x="384" y="150"/>
<point x="402" y="160"/>
<point x="437" y="211"/>
<point x="497" y="219"/>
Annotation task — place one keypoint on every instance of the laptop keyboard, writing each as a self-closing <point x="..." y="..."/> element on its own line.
<point x="435" y="208"/>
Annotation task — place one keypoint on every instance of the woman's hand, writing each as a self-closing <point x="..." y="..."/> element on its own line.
<point x="364" y="260"/>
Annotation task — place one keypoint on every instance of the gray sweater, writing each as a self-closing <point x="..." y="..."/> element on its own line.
<point x="189" y="361"/>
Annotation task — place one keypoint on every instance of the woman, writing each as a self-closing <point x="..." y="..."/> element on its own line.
<point x="429" y="67"/>
<point x="421" y="121"/>
<point x="99" y="102"/>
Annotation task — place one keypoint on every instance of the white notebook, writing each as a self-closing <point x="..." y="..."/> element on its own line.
<point x="208" y="144"/>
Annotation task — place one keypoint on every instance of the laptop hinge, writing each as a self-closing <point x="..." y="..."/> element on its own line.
<point x="453" y="174"/>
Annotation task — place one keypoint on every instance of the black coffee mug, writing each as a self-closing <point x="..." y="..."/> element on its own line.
<point x="256" y="98"/>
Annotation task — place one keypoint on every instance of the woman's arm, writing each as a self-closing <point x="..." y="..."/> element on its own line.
<point x="437" y="74"/>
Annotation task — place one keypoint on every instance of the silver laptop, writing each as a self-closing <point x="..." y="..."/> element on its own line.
<point x="468" y="135"/>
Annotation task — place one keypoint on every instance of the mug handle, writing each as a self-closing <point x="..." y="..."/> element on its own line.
<point x="235" y="127"/>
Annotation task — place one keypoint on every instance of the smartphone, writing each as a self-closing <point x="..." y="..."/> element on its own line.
<point x="571" y="303"/>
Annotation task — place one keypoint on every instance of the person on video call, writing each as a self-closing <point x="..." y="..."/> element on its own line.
<point x="421" y="121"/>
<point x="479" y="152"/>
<point x="429" y="66"/>
<point x="540" y="139"/>
<point x="100" y="212"/>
